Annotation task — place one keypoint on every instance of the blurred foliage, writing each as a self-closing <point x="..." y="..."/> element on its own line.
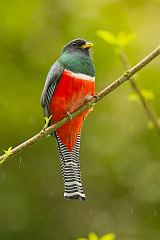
<point x="93" y="236"/>
<point x="150" y="125"/>
<point x="119" y="155"/>
<point x="147" y="94"/>
<point x="121" y="40"/>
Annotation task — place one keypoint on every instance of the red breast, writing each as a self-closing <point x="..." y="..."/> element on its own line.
<point x="70" y="93"/>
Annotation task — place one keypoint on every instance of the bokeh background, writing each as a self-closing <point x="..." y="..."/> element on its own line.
<point x="120" y="155"/>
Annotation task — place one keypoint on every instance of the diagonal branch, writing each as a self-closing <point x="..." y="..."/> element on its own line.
<point x="44" y="133"/>
<point x="147" y="109"/>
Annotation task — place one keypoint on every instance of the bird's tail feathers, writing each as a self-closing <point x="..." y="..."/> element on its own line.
<point x="70" y="166"/>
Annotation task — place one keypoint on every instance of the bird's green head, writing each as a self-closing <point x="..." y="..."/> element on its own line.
<point x="76" y="57"/>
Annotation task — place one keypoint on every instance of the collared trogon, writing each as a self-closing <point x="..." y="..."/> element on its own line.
<point x="69" y="83"/>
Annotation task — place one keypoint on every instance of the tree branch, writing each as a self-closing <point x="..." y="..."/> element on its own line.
<point x="44" y="133"/>
<point x="147" y="109"/>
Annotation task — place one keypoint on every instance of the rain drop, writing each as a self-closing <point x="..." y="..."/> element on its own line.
<point x="20" y="161"/>
<point x="6" y="104"/>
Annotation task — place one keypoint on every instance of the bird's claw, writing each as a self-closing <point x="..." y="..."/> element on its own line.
<point x="96" y="96"/>
<point x="88" y="98"/>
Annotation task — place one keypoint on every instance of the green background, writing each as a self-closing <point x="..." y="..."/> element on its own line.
<point x="120" y="156"/>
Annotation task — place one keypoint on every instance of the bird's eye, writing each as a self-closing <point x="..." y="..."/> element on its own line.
<point x="74" y="44"/>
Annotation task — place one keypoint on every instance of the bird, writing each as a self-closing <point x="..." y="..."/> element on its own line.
<point x="69" y="84"/>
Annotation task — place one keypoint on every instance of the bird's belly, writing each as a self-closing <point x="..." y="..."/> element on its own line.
<point x="70" y="93"/>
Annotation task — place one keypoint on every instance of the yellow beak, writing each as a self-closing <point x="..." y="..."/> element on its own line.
<point x="87" y="45"/>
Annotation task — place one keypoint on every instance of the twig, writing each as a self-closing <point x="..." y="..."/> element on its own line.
<point x="149" y="112"/>
<point x="44" y="133"/>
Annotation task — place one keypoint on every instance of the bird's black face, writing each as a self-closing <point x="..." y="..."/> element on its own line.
<point x="78" y="45"/>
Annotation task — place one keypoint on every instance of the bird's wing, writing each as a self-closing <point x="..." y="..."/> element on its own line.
<point x="52" y="79"/>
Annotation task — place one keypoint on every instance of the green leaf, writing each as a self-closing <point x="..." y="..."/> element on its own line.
<point x="123" y="39"/>
<point x="107" y="36"/>
<point x="47" y="119"/>
<point x="82" y="239"/>
<point x="92" y="236"/>
<point x="109" y="236"/>
<point x="8" y="152"/>
<point x="133" y="97"/>
<point x="148" y="94"/>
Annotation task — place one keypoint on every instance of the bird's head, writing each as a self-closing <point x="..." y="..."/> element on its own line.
<point x="78" y="45"/>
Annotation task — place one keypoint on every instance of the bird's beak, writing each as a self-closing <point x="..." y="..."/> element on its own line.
<point x="87" y="45"/>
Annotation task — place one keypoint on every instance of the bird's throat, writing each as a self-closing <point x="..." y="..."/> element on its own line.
<point x="77" y="63"/>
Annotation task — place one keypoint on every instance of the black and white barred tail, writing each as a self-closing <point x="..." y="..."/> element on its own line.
<point x="70" y="166"/>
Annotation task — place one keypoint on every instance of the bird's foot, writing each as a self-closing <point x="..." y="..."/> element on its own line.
<point x="96" y="96"/>
<point x="88" y="98"/>
<point x="69" y="115"/>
